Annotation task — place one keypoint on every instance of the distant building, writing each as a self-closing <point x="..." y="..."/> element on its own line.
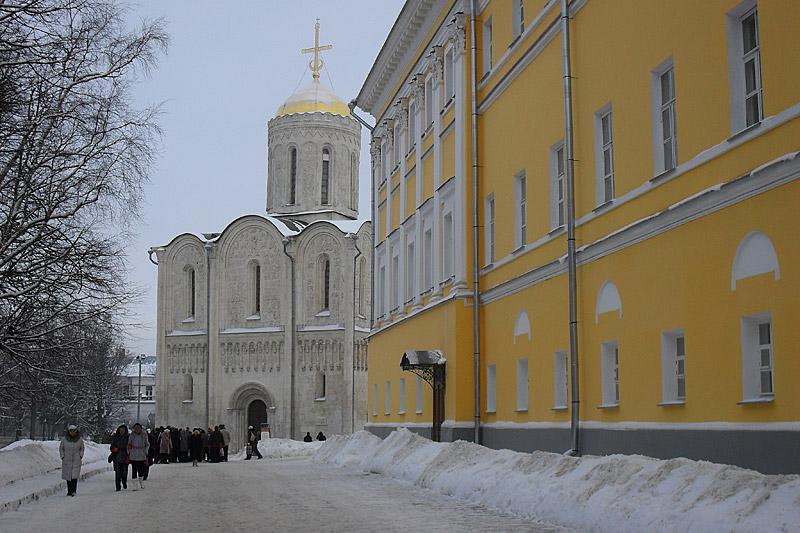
<point x="684" y="138"/>
<point x="130" y="380"/>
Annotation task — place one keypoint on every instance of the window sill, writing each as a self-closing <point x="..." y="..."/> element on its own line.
<point x="518" y="249"/>
<point x="746" y="130"/>
<point x="324" y="312"/>
<point x="557" y="230"/>
<point x="188" y="401"/>
<point x="320" y="399"/>
<point x="447" y="105"/>
<point x="660" y="176"/>
<point x="671" y="403"/>
<point x="559" y="408"/>
<point x="428" y="129"/>
<point x="494" y="412"/>
<point x="608" y="406"/>
<point x="418" y="412"/>
<point x="765" y="399"/>
<point x="603" y="206"/>
<point x="361" y="316"/>
<point x="486" y="75"/>
<point x="514" y="41"/>
<point x="521" y="410"/>
<point x="401" y="412"/>
<point x="446" y="281"/>
<point x="254" y="317"/>
<point x="189" y="320"/>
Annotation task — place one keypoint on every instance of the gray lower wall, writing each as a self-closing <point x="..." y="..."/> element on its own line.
<point x="770" y="452"/>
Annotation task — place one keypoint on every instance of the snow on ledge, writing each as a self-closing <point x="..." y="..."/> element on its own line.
<point x="612" y="493"/>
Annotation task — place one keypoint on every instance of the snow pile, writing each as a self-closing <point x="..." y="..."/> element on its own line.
<point x="28" y="458"/>
<point x="618" y="492"/>
<point x="282" y="448"/>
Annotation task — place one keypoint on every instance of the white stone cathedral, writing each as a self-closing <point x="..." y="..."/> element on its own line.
<point x="266" y="322"/>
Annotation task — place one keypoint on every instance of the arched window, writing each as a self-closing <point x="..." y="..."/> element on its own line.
<point x="292" y="175"/>
<point x="190" y="292"/>
<point x="188" y="388"/>
<point x="326" y="284"/>
<point x="326" y="162"/>
<point x="320" y="386"/>
<point x="256" y="288"/>
<point x="353" y="182"/>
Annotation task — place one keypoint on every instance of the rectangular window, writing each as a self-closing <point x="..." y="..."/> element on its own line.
<point x="673" y="366"/>
<point x="449" y="86"/>
<point x="257" y="292"/>
<point x="522" y="385"/>
<point x="518" y="18"/>
<point x="491" y="388"/>
<point x="447" y="244"/>
<point x="744" y="64"/>
<point x="428" y="102"/>
<point x="192" y="293"/>
<point x="412" y="125"/>
<point x="758" y="370"/>
<point x="487" y="46"/>
<point x="419" y="396"/>
<point x="382" y="291"/>
<point x="521" y="214"/>
<point x="326" y="162"/>
<point x="374" y="399"/>
<point x="560" y="375"/>
<point x="292" y="175"/>
<point x="557" y="186"/>
<point x="387" y="398"/>
<point x="396" y="144"/>
<point x="395" y="288"/>
<point x="428" y="256"/>
<point x="605" y="157"/>
<point x="751" y="57"/>
<point x="402" y="399"/>
<point x="667" y="83"/>
<point x="489" y="230"/>
<point x="609" y="352"/>
<point x="410" y="272"/>
<point x="148" y="391"/>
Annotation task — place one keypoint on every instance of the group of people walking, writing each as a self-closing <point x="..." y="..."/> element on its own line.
<point x="182" y="445"/>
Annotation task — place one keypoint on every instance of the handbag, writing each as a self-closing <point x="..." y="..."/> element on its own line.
<point x="111" y="457"/>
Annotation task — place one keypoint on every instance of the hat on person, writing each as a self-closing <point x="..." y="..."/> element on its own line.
<point x="251" y="427"/>
<point x="72" y="427"/>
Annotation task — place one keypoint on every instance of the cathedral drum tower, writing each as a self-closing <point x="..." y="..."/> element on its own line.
<point x="266" y="322"/>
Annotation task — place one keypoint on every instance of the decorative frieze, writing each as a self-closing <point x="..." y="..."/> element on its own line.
<point x="187" y="358"/>
<point x="253" y="356"/>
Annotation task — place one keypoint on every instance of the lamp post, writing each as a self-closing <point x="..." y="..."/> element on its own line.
<point x="139" y="358"/>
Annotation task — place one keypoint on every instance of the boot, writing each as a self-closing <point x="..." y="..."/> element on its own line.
<point x="141" y="483"/>
<point x="134" y="480"/>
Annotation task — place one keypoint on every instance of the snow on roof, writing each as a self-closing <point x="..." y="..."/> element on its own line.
<point x="132" y="370"/>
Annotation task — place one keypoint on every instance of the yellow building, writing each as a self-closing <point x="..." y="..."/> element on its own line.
<point x="666" y="142"/>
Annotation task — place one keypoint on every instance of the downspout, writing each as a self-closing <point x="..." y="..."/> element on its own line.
<point x="570" y="205"/>
<point x="353" y="369"/>
<point x="207" y="247"/>
<point x="476" y="295"/>
<point x="292" y="332"/>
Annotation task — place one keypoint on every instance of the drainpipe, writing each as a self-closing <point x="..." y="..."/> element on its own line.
<point x="476" y="295"/>
<point x="207" y="247"/>
<point x="570" y="205"/>
<point x="292" y="341"/>
<point x="353" y="380"/>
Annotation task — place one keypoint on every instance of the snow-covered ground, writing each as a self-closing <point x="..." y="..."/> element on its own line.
<point x="613" y="493"/>
<point x="281" y="449"/>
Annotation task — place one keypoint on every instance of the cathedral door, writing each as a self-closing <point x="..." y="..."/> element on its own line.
<point x="256" y="414"/>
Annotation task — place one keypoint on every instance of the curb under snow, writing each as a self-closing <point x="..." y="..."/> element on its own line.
<point x="617" y="492"/>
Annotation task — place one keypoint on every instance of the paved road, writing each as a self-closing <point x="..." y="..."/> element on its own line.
<point x="254" y="496"/>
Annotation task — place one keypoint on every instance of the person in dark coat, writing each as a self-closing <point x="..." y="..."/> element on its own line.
<point x="308" y="437"/>
<point x="175" y="435"/>
<point x="226" y="441"/>
<point x="165" y="446"/>
<point x="152" y="452"/>
<point x="215" y="445"/>
<point x="253" y="437"/>
<point x="185" y="433"/>
<point x="119" y="456"/>
<point x="204" y="438"/>
<point x="71" y="450"/>
<point x="196" y="447"/>
<point x="321" y="436"/>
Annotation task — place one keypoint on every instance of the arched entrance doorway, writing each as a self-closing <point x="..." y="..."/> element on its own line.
<point x="256" y="414"/>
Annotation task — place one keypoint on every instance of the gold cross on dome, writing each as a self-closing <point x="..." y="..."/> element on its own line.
<point x="316" y="64"/>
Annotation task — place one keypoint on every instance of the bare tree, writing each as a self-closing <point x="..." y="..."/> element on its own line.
<point x="74" y="154"/>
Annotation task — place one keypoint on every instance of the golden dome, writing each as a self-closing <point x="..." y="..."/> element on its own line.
<point x="314" y="98"/>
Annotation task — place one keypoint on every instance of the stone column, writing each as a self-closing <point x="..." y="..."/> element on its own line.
<point x="418" y="92"/>
<point x="461" y="218"/>
<point x="435" y="66"/>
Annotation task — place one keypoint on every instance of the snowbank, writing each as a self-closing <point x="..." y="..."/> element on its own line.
<point x="283" y="448"/>
<point x="28" y="458"/>
<point x="618" y="492"/>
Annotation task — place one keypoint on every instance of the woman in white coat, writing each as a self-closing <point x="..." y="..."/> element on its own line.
<point x="71" y="451"/>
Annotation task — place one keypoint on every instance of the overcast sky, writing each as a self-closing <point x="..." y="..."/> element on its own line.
<point x="230" y="65"/>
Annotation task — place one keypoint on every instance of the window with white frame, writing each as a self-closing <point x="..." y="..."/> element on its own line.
<point x="666" y="134"/>
<point x="395" y="288"/>
<point x="402" y="399"/>
<point x="412" y="124"/>
<point x="354" y="181"/>
<point x="449" y="86"/>
<point x="758" y="365"/>
<point x="428" y="258"/>
<point x="488" y="229"/>
<point x="560" y="376"/>
<point x="148" y="392"/>
<point x="325" y="185"/>
<point x="520" y="213"/>
<point x="518" y="18"/>
<point x="381" y="290"/>
<point x="487" y="46"/>
<point x="387" y="397"/>
<point x="558" y="185"/>
<point x="419" y="396"/>
<point x="605" y="156"/>
<point x="374" y="399"/>
<point x="491" y="388"/>
<point x="744" y="60"/>
<point x="428" y="102"/>
<point x="396" y="146"/>
<point x="384" y="161"/>
<point x="410" y="271"/>
<point x="447" y="245"/>
<point x="522" y="385"/>
<point x="609" y="355"/>
<point x="673" y="366"/>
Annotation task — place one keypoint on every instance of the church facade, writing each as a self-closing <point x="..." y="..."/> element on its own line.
<point x="266" y="322"/>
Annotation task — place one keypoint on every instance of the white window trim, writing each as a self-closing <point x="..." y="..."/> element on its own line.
<point x="751" y="362"/>
<point x="520" y="210"/>
<point x="523" y="384"/>
<point x="486" y="43"/>
<point x="387" y="397"/>
<point x="554" y="179"/>
<point x="560" y="379"/>
<point x="427" y="258"/>
<point x="669" y="378"/>
<point x="489" y="230"/>
<point x="656" y="109"/>
<point x="517" y="19"/>
<point x="401" y="397"/>
<point x="609" y="371"/>
<point x="412" y="125"/>
<point x="430" y="111"/>
<point x="374" y="399"/>
<point x="419" y="396"/>
<point x="491" y="388"/>
<point x="448" y="244"/>
<point x="449" y="79"/>
<point x="410" y="270"/>
<point x="599" y="185"/>
<point x="738" y="112"/>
